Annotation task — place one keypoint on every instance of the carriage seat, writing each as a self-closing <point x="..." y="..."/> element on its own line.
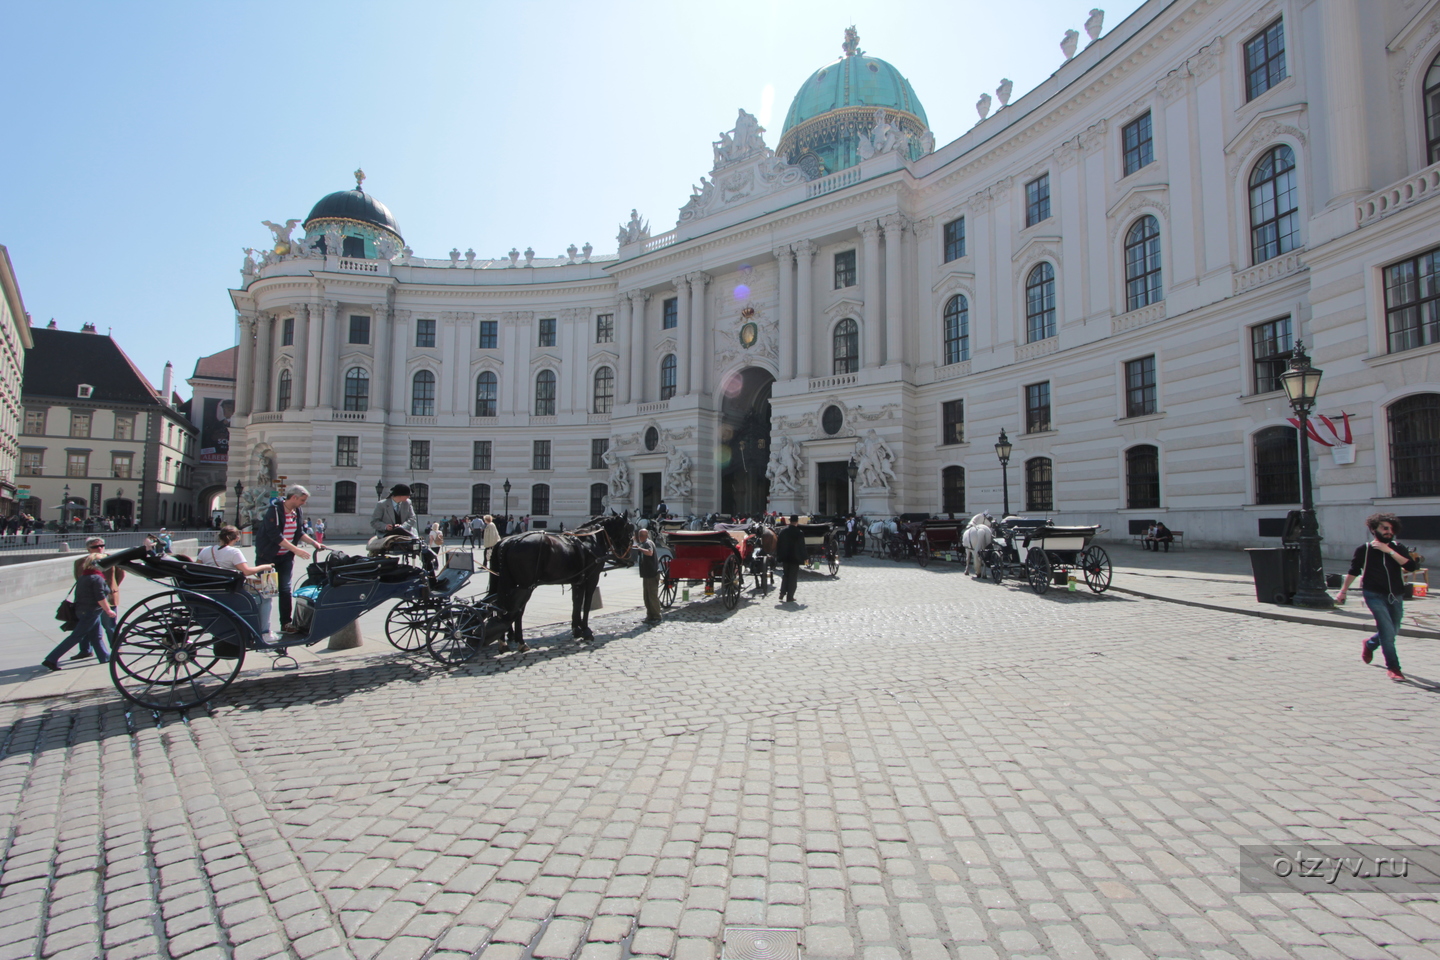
<point x="339" y="569"/>
<point x="199" y="576"/>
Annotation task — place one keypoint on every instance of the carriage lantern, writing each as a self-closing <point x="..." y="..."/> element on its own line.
<point x="1302" y="384"/>
<point x="1002" y="450"/>
<point x="239" y="489"/>
<point x="853" y="469"/>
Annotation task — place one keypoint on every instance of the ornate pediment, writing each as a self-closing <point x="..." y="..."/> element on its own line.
<point x="845" y="307"/>
<point x="744" y="169"/>
<point x="545" y="360"/>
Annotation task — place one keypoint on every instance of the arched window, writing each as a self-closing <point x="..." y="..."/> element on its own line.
<point x="420" y="498"/>
<point x="604" y="390"/>
<point x="1432" y="112"/>
<point x="283" y="387"/>
<point x="480" y="499"/>
<point x="545" y="393"/>
<point x="1274" y="205"/>
<point x="1142" y="478"/>
<point x="357" y="390"/>
<point x="344" y="496"/>
<point x="957" y="329"/>
<point x="1040" y="303"/>
<point x="598" y="493"/>
<point x="1142" y="264"/>
<point x="540" y="500"/>
<point x="1039" y="485"/>
<point x="952" y="490"/>
<point x="1277" y="465"/>
<point x="847" y="346"/>
<point x="667" y="377"/>
<point x="422" y="394"/>
<point x="487" y="388"/>
<point x="1415" y="446"/>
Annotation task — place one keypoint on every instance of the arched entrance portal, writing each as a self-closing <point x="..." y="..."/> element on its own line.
<point x="744" y="442"/>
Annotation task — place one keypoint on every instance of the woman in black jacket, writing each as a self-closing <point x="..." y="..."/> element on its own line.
<point x="1381" y="565"/>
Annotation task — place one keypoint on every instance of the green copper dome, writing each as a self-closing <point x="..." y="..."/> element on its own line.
<point x="837" y="105"/>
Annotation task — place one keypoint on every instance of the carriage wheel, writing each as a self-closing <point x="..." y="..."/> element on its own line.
<point x="893" y="548"/>
<point x="667" y="585"/>
<point x="408" y="624"/>
<point x="922" y="548"/>
<point x="1095" y="563"/>
<point x="456" y="635"/>
<point x="165" y="659"/>
<point x="832" y="559"/>
<point x="1037" y="570"/>
<point x="731" y="582"/>
<point x="991" y="559"/>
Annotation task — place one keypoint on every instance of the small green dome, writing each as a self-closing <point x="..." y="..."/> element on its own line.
<point x="857" y="81"/>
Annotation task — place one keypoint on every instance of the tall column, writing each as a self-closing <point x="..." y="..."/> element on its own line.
<point x="700" y="338"/>
<point x="389" y="375"/>
<point x="894" y="226"/>
<point x="382" y="338"/>
<point x="870" y="333"/>
<point x="466" y="340"/>
<point x="1345" y="113"/>
<point x="785" y="266"/>
<point x="330" y="356"/>
<point x="264" y="361"/>
<point x="398" y="394"/>
<point x="510" y="373"/>
<point x="625" y="309"/>
<point x="244" y="365"/>
<point x="302" y="355"/>
<point x="445" y="389"/>
<point x="684" y="336"/>
<point x="314" y="351"/>
<point x="804" y="320"/>
<point x="638" y="299"/>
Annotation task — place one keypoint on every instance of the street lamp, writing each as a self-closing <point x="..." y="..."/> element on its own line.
<point x="505" y="514"/>
<point x="853" y="469"/>
<point x="65" y="510"/>
<point x="379" y="489"/>
<point x="1302" y="384"/>
<point x="1002" y="450"/>
<point x="239" y="489"/>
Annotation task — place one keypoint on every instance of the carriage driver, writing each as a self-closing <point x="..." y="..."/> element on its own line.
<point x="649" y="575"/>
<point x="394" y="514"/>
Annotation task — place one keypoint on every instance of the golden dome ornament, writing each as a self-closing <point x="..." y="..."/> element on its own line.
<point x="749" y="333"/>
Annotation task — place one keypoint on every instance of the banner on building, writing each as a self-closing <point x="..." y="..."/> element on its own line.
<point x="215" y="430"/>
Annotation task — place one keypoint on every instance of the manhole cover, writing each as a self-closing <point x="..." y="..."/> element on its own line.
<point x="761" y="943"/>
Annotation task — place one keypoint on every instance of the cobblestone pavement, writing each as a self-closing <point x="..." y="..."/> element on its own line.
<point x="909" y="764"/>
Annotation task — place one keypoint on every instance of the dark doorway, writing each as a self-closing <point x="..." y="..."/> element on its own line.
<point x="744" y="449"/>
<point x="649" y="493"/>
<point x="834" y="488"/>
<point x="119" y="509"/>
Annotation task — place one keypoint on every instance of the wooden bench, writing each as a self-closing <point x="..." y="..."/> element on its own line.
<point x="1178" y="542"/>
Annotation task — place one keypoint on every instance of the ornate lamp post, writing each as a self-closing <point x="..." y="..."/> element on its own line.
<point x="853" y="469"/>
<point x="239" y="489"/>
<point x="65" y="510"/>
<point x="379" y="489"/>
<point x="1002" y="450"/>
<point x="505" y="514"/>
<point x="1302" y="384"/>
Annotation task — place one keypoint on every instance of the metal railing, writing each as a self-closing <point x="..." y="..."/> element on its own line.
<point x="45" y="545"/>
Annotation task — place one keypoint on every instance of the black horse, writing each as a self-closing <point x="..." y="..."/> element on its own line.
<point x="522" y="562"/>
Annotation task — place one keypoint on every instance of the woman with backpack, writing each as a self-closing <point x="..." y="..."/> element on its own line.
<point x="1381" y="565"/>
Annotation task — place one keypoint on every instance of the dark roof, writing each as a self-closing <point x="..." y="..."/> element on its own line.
<point x="353" y="205"/>
<point x="217" y="366"/>
<point x="61" y="360"/>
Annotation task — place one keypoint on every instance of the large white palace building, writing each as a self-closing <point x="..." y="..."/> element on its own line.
<point x="1112" y="269"/>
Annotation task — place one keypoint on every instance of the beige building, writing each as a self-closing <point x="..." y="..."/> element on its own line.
<point x="14" y="341"/>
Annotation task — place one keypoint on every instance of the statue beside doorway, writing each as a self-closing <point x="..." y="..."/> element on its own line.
<point x="677" y="474"/>
<point x="785" y="468"/>
<point x="875" y="459"/>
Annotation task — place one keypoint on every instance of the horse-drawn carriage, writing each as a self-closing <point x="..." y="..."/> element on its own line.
<point x="715" y="558"/>
<point x="1043" y="554"/>
<point x="823" y="543"/>
<point x="939" y="537"/>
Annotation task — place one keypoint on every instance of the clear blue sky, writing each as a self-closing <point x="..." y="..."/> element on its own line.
<point x="146" y="141"/>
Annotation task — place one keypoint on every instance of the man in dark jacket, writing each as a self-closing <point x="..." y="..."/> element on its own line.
<point x="790" y="551"/>
<point x="278" y="536"/>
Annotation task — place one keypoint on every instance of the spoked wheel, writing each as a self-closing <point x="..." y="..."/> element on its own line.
<point x="1037" y="570"/>
<point x="991" y="559"/>
<point x="456" y="635"/>
<point x="832" y="559"/>
<point x="166" y="658"/>
<point x="408" y="624"/>
<point x="922" y="548"/>
<point x="730" y="583"/>
<point x="1095" y="563"/>
<point x="668" y="587"/>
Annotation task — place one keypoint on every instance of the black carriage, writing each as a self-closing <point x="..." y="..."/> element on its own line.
<point x="823" y="543"/>
<point x="1043" y="554"/>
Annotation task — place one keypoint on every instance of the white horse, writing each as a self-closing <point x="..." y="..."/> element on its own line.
<point x="976" y="539"/>
<point x="879" y="532"/>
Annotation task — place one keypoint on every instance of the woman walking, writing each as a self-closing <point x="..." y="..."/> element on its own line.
<point x="1381" y="565"/>
<point x="92" y="601"/>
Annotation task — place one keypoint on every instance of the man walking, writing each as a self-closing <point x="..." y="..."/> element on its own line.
<point x="790" y="551"/>
<point x="649" y="575"/>
<point x="277" y="541"/>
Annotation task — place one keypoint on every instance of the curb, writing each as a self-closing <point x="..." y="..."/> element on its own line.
<point x="1278" y="615"/>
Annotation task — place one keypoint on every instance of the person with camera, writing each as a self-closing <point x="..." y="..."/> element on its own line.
<point x="1381" y="565"/>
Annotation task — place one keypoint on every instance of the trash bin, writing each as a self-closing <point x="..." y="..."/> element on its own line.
<point x="1277" y="571"/>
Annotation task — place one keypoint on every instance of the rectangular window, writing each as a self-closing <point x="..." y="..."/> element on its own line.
<point x="1412" y="301"/>
<point x="844" y="269"/>
<point x="77" y="465"/>
<point x="605" y="328"/>
<point x="287" y="332"/>
<point x="35" y="422"/>
<point x="32" y="463"/>
<point x="121" y="465"/>
<point x="347" y="451"/>
<point x="540" y="456"/>
<point x="1037" y="200"/>
<point x="424" y="333"/>
<point x="1138" y="141"/>
<point x="952" y="415"/>
<point x="480" y="455"/>
<point x="547" y="332"/>
<point x="359" y="329"/>
<point x="419" y="454"/>
<point x="1140" y="387"/>
<point x="670" y="315"/>
<point x="540" y="500"/>
<point x="1270" y="352"/>
<point x="489" y="334"/>
<point x="598" y="449"/>
<point x="1264" y="60"/>
<point x="80" y="424"/>
<point x="345" y="493"/>
<point x="954" y="239"/>
<point x="1037" y="407"/>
